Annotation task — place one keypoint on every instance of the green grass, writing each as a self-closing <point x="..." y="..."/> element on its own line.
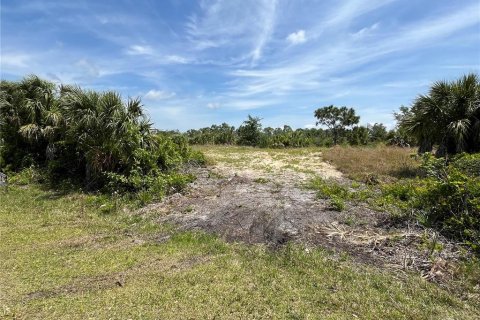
<point x="63" y="258"/>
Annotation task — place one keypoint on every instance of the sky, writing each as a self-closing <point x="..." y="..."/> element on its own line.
<point x="198" y="63"/>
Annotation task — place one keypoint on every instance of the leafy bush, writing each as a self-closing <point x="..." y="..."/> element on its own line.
<point x="328" y="189"/>
<point x="451" y="200"/>
<point x="468" y="163"/>
<point x="337" y="203"/>
<point x="447" y="199"/>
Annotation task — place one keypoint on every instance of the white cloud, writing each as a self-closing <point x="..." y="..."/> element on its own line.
<point x="139" y="50"/>
<point x="158" y="95"/>
<point x="14" y="60"/>
<point x="251" y="104"/>
<point x="213" y="105"/>
<point x="177" y="59"/>
<point x="309" y="126"/>
<point x="53" y="77"/>
<point x="365" y="31"/>
<point x="297" y="37"/>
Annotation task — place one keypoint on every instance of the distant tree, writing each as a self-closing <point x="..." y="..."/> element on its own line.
<point x="249" y="132"/>
<point x="448" y="116"/>
<point x="358" y="136"/>
<point x="377" y="132"/>
<point x="336" y="119"/>
<point x="268" y="131"/>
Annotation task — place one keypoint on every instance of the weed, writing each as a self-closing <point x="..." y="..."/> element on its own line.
<point x="261" y="180"/>
<point x="429" y="241"/>
<point x="330" y="189"/>
<point x="327" y="189"/>
<point x="337" y="203"/>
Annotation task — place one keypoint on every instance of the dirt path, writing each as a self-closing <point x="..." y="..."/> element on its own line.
<point x="256" y="196"/>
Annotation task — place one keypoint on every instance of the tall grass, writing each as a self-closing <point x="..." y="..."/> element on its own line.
<point x="380" y="162"/>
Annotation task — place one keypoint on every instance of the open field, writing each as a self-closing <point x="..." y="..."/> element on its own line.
<point x="65" y="256"/>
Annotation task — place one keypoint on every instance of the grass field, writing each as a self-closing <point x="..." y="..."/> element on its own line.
<point x="62" y="256"/>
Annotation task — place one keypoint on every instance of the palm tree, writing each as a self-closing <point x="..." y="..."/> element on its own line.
<point x="105" y="130"/>
<point x="449" y="116"/>
<point x="31" y="118"/>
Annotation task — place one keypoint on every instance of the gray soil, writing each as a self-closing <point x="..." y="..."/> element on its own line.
<point x="254" y="207"/>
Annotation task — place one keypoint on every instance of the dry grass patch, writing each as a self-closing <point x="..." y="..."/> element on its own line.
<point x="381" y="162"/>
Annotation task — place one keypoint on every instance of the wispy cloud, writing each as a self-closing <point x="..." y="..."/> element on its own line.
<point x="297" y="37"/>
<point x="239" y="28"/>
<point x="366" y="31"/>
<point x="250" y="104"/>
<point x="213" y="105"/>
<point x="348" y="11"/>
<point x="156" y="95"/>
<point x="88" y="68"/>
<point x="268" y="17"/>
<point x="177" y="59"/>
<point x="18" y="60"/>
<point x="139" y="50"/>
<point x="323" y="62"/>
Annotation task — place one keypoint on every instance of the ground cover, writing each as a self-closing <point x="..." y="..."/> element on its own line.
<point x="64" y="255"/>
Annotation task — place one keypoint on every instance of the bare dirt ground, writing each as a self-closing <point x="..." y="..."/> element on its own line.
<point x="255" y="196"/>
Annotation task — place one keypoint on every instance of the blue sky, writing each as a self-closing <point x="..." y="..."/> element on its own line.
<point x="195" y="63"/>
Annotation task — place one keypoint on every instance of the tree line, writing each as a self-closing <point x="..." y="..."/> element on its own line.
<point x="252" y="133"/>
<point x="446" y="120"/>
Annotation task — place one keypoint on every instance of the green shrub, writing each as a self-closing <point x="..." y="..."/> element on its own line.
<point x="451" y="202"/>
<point x="26" y="176"/>
<point x="337" y="203"/>
<point x="328" y="189"/>
<point x="467" y="163"/>
<point x="448" y="198"/>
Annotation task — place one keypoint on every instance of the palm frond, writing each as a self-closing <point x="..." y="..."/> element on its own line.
<point x="30" y="132"/>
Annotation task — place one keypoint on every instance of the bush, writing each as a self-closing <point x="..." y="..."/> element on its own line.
<point x="468" y="163"/>
<point x="337" y="203"/>
<point x="448" y="198"/>
<point x="451" y="200"/>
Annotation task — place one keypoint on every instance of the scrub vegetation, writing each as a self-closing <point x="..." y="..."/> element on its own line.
<point x="105" y="217"/>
